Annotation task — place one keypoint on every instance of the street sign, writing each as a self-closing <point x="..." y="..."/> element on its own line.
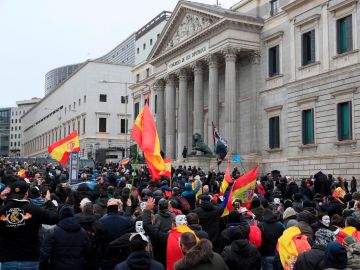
<point x="73" y="167"/>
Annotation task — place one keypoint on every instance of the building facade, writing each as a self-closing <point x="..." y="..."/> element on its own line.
<point x="122" y="54"/>
<point x="4" y="131"/>
<point x="278" y="78"/>
<point x="15" y="143"/>
<point x="98" y="111"/>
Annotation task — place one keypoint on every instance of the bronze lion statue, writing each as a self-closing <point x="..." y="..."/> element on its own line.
<point x="199" y="145"/>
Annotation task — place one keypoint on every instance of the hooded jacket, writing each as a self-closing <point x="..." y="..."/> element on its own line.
<point x="190" y="194"/>
<point x="67" y="246"/>
<point x="312" y="259"/>
<point x="209" y="216"/>
<point x="201" y="257"/>
<point x="139" y="260"/>
<point x="164" y="220"/>
<point x="242" y="253"/>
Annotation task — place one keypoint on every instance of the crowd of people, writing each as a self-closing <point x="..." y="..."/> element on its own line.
<point x="117" y="217"/>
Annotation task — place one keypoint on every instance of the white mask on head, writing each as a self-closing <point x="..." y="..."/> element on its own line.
<point x="139" y="227"/>
<point x="325" y="220"/>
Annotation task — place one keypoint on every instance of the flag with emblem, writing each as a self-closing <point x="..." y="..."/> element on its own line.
<point x="61" y="150"/>
<point x="144" y="133"/>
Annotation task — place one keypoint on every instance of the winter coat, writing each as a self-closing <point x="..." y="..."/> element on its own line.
<point x="306" y="192"/>
<point x="258" y="212"/>
<point x="139" y="260"/>
<point x="242" y="253"/>
<point x="209" y="216"/>
<point x="114" y="225"/>
<point x="332" y="208"/>
<point x="321" y="184"/>
<point x="201" y="257"/>
<point x="311" y="260"/>
<point x="157" y="237"/>
<point x="164" y="220"/>
<point x="67" y="246"/>
<point x="271" y="230"/>
<point x="19" y="231"/>
<point x="200" y="233"/>
<point x="353" y="255"/>
<point x="291" y="189"/>
<point x="190" y="194"/>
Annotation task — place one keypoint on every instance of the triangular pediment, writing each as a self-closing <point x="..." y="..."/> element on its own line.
<point x="187" y="20"/>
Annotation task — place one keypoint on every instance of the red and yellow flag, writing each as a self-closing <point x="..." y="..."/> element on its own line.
<point x="242" y="189"/>
<point x="61" y="150"/>
<point x="226" y="181"/>
<point x="144" y="133"/>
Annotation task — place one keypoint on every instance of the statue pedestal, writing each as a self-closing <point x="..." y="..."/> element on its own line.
<point x="199" y="161"/>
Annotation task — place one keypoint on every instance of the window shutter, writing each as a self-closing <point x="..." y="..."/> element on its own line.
<point x="277" y="60"/>
<point x="271" y="144"/>
<point x="312" y="126"/>
<point x="339" y="122"/>
<point x="303" y="44"/>
<point x="312" y="46"/>
<point x="303" y="127"/>
<point x="350" y="121"/>
<point x="338" y="36"/>
<point x="277" y="132"/>
<point x="271" y="61"/>
<point x="349" y="40"/>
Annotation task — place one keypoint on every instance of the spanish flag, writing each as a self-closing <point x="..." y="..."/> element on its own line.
<point x="242" y="189"/>
<point x="61" y="150"/>
<point x="167" y="171"/>
<point x="144" y="133"/>
<point x="226" y="181"/>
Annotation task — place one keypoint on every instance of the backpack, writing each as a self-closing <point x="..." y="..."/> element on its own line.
<point x="255" y="236"/>
<point x="185" y="206"/>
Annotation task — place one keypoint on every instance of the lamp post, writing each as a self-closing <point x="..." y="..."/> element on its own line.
<point x="126" y="104"/>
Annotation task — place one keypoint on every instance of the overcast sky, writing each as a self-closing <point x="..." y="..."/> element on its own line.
<point x="39" y="35"/>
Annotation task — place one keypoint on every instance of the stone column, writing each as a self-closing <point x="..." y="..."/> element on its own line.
<point x="160" y="113"/>
<point x="213" y="100"/>
<point x="198" y="99"/>
<point x="170" y="117"/>
<point x="183" y="112"/>
<point x="230" y="97"/>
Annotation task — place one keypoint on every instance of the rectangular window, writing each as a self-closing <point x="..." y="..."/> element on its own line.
<point x="308" y="126"/>
<point x="136" y="109"/>
<point x="124" y="99"/>
<point x="137" y="50"/>
<point x="103" y="98"/>
<point x="84" y="99"/>
<point x="344" y="34"/>
<point x="144" y="46"/>
<point x="344" y="115"/>
<point x="151" y="41"/>
<point x="137" y="77"/>
<point x="147" y="72"/>
<point x="78" y="126"/>
<point x="79" y="102"/>
<point x="155" y="104"/>
<point x="74" y="105"/>
<point x="274" y="132"/>
<point x="102" y="124"/>
<point x="123" y="126"/>
<point x="64" y="131"/>
<point x="274" y="7"/>
<point x="274" y="61"/>
<point x="83" y="126"/>
<point x="308" y="48"/>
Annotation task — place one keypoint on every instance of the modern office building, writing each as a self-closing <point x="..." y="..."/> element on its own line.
<point x="4" y="131"/>
<point x="15" y="144"/>
<point x="123" y="54"/>
<point x="279" y="79"/>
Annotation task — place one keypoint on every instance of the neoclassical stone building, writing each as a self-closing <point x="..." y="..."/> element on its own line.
<point x="279" y="79"/>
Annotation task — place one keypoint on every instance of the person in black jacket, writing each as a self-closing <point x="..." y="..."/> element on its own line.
<point x="314" y="258"/>
<point x="271" y="230"/>
<point x="209" y="215"/>
<point x="193" y="223"/>
<point x="139" y="257"/>
<point x="20" y="222"/>
<point x="332" y="207"/>
<point x="67" y="246"/>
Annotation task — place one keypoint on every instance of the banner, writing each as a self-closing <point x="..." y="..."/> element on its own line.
<point x="73" y="167"/>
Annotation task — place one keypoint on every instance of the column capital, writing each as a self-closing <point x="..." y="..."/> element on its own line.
<point x="230" y="53"/>
<point x="213" y="60"/>
<point x="159" y="84"/>
<point x="255" y="57"/>
<point x="198" y="67"/>
<point x="183" y="74"/>
<point x="170" y="78"/>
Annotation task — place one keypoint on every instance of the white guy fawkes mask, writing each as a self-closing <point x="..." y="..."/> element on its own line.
<point x="139" y="227"/>
<point x="325" y="220"/>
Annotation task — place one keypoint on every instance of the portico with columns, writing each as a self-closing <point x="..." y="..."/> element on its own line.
<point x="198" y="63"/>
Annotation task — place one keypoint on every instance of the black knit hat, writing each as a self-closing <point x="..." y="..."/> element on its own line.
<point x="18" y="189"/>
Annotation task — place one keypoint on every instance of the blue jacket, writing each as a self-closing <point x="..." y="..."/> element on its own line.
<point x="190" y="195"/>
<point x="139" y="260"/>
<point x="115" y="225"/>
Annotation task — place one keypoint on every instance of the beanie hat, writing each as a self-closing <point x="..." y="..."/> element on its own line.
<point x="84" y="202"/>
<point x="291" y="223"/>
<point x="239" y="232"/>
<point x="288" y="213"/>
<point x="335" y="256"/>
<point x="19" y="189"/>
<point x="323" y="237"/>
<point x="65" y="212"/>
